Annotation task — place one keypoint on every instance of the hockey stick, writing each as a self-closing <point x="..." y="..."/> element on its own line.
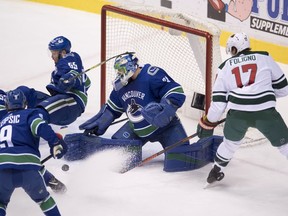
<point x="164" y="150"/>
<point x="95" y="66"/>
<point x="46" y="159"/>
<point x="121" y="120"/>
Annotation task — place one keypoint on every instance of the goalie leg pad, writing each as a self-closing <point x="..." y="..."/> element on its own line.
<point x="81" y="146"/>
<point x="193" y="156"/>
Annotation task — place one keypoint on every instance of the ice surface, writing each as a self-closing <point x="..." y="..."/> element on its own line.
<point x="255" y="182"/>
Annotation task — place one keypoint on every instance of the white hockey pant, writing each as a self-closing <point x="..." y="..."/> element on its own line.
<point x="227" y="149"/>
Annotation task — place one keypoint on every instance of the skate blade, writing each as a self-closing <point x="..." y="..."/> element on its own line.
<point x="209" y="185"/>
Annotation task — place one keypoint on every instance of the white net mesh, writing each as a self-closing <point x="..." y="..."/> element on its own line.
<point x="182" y="55"/>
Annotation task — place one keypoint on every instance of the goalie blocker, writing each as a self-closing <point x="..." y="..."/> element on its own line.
<point x="198" y="101"/>
<point x="181" y="158"/>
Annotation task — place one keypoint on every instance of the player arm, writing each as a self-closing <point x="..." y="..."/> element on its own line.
<point x="171" y="94"/>
<point x="99" y="123"/>
<point x="175" y="95"/>
<point x="164" y="87"/>
<point x="279" y="80"/>
<point x="70" y="80"/>
<point x="207" y="123"/>
<point x="40" y="128"/>
<point x="219" y="100"/>
<point x="67" y="75"/>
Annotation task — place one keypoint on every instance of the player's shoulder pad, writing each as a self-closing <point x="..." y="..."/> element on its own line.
<point x="223" y="63"/>
<point x="72" y="56"/>
<point x="63" y="62"/>
<point x="153" y="70"/>
<point x="34" y="113"/>
<point x="260" y="52"/>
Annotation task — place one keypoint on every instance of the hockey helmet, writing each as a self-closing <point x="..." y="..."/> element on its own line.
<point x="60" y="43"/>
<point x="125" y="66"/>
<point x="15" y="99"/>
<point x="238" y="40"/>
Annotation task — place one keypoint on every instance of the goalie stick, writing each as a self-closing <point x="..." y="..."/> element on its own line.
<point x="164" y="150"/>
<point x="95" y="66"/>
<point x="121" y="120"/>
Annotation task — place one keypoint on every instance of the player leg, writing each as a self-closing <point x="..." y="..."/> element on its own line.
<point x="35" y="187"/>
<point x="33" y="96"/>
<point x="52" y="182"/>
<point x="223" y="156"/>
<point x="236" y="126"/>
<point x="273" y="127"/>
<point x="62" y="109"/>
<point x="172" y="133"/>
<point x="6" y="190"/>
<point x="175" y="158"/>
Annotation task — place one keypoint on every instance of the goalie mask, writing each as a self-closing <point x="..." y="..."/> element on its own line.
<point x="240" y="41"/>
<point x="15" y="100"/>
<point x="125" y="66"/>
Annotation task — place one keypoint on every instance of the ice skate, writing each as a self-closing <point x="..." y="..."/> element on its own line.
<point x="57" y="186"/>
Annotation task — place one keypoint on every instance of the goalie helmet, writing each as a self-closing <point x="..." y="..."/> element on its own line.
<point x="125" y="66"/>
<point x="240" y="41"/>
<point x="60" y="43"/>
<point x="15" y="100"/>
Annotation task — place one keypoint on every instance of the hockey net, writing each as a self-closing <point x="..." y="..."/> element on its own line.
<point x="186" y="47"/>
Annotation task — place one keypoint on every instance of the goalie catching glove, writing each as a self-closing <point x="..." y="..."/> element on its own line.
<point x="159" y="114"/>
<point x="205" y="128"/>
<point x="59" y="147"/>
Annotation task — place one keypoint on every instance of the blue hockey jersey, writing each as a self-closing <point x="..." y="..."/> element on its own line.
<point x="20" y="133"/>
<point x="71" y="63"/>
<point x="151" y="85"/>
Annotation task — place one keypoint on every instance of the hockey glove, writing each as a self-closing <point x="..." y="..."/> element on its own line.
<point x="99" y="123"/>
<point x="159" y="114"/>
<point x="58" y="148"/>
<point x="205" y="128"/>
<point x="67" y="81"/>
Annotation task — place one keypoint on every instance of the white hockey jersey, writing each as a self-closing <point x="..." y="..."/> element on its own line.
<point x="249" y="81"/>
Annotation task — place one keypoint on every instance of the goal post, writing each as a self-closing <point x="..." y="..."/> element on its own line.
<point x="187" y="48"/>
